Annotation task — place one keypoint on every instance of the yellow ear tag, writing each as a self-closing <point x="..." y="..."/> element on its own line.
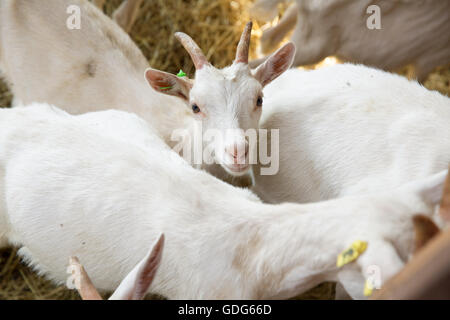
<point x="352" y="253"/>
<point x="368" y="288"/>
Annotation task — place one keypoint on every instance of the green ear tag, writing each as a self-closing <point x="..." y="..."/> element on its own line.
<point x="181" y="74"/>
<point x="165" y="88"/>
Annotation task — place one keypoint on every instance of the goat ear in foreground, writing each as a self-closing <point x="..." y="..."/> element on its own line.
<point x="425" y="229"/>
<point x="168" y="83"/>
<point x="276" y="64"/>
<point x="83" y="283"/>
<point x="137" y="282"/>
<point x="430" y="189"/>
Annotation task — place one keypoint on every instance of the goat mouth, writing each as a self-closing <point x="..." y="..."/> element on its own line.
<point x="237" y="169"/>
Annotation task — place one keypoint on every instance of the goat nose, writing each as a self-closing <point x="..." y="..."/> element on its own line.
<point x="237" y="151"/>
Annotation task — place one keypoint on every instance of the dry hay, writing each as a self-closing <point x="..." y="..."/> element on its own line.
<point x="439" y="80"/>
<point x="17" y="281"/>
<point x="216" y="27"/>
<point x="5" y="95"/>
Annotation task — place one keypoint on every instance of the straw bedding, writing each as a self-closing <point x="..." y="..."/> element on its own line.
<point x="216" y="26"/>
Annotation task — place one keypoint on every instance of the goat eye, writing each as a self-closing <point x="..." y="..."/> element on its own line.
<point x="195" y="108"/>
<point x="259" y="102"/>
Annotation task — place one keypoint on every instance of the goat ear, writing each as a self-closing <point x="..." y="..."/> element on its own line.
<point x="83" y="284"/>
<point x="137" y="282"/>
<point x="430" y="189"/>
<point x="168" y="83"/>
<point x="425" y="229"/>
<point x="276" y="64"/>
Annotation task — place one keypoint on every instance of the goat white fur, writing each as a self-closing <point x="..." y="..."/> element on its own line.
<point x="71" y="187"/>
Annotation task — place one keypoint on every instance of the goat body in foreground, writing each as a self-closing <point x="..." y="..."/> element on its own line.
<point x="77" y="186"/>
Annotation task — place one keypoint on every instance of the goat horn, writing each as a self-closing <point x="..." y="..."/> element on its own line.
<point x="193" y="49"/>
<point x="244" y="44"/>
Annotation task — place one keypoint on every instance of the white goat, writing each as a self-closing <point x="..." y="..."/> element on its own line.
<point x="70" y="184"/>
<point x="227" y="100"/>
<point x="411" y="32"/>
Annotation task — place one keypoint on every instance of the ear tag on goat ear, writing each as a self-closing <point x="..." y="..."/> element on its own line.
<point x="181" y="74"/>
<point x="368" y="288"/>
<point x="165" y="88"/>
<point x="352" y="253"/>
